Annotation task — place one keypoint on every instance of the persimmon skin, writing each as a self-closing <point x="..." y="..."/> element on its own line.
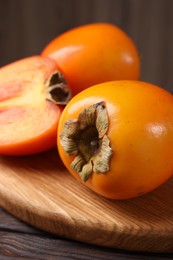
<point x="140" y="133"/>
<point x="94" y="53"/>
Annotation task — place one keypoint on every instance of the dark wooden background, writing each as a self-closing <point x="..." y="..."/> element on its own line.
<point x="27" y="25"/>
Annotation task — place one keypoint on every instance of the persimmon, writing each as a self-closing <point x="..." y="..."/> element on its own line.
<point x="117" y="138"/>
<point x="30" y="89"/>
<point x="94" y="53"/>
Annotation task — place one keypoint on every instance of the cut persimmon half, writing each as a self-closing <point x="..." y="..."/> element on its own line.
<point x="32" y="93"/>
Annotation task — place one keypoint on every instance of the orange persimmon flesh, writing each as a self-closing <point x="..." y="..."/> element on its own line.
<point x="28" y="122"/>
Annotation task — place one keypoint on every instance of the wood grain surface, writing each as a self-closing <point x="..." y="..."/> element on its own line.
<point x="20" y="240"/>
<point x="38" y="190"/>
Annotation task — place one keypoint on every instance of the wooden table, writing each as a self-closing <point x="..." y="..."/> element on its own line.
<point x="20" y="240"/>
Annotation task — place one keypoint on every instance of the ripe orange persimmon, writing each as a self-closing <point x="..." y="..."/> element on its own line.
<point x="29" y="91"/>
<point x="94" y="53"/>
<point x="117" y="138"/>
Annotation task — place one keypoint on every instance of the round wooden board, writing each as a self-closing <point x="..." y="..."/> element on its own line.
<point x="38" y="190"/>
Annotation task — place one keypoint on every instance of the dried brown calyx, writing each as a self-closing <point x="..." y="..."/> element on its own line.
<point x="57" y="90"/>
<point x="86" y="138"/>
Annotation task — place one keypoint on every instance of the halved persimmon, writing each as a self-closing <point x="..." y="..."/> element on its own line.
<point x="29" y="92"/>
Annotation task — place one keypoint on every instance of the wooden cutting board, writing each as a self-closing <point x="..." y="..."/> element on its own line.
<point x="38" y="190"/>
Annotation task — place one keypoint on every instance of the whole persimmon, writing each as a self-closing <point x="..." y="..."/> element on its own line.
<point x="30" y="90"/>
<point x="94" y="53"/>
<point x="117" y="138"/>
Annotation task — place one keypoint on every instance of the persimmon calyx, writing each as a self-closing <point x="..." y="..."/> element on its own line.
<point x="86" y="139"/>
<point x="57" y="90"/>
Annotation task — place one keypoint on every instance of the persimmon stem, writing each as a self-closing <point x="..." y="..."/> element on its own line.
<point x="86" y="138"/>
<point x="57" y="90"/>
